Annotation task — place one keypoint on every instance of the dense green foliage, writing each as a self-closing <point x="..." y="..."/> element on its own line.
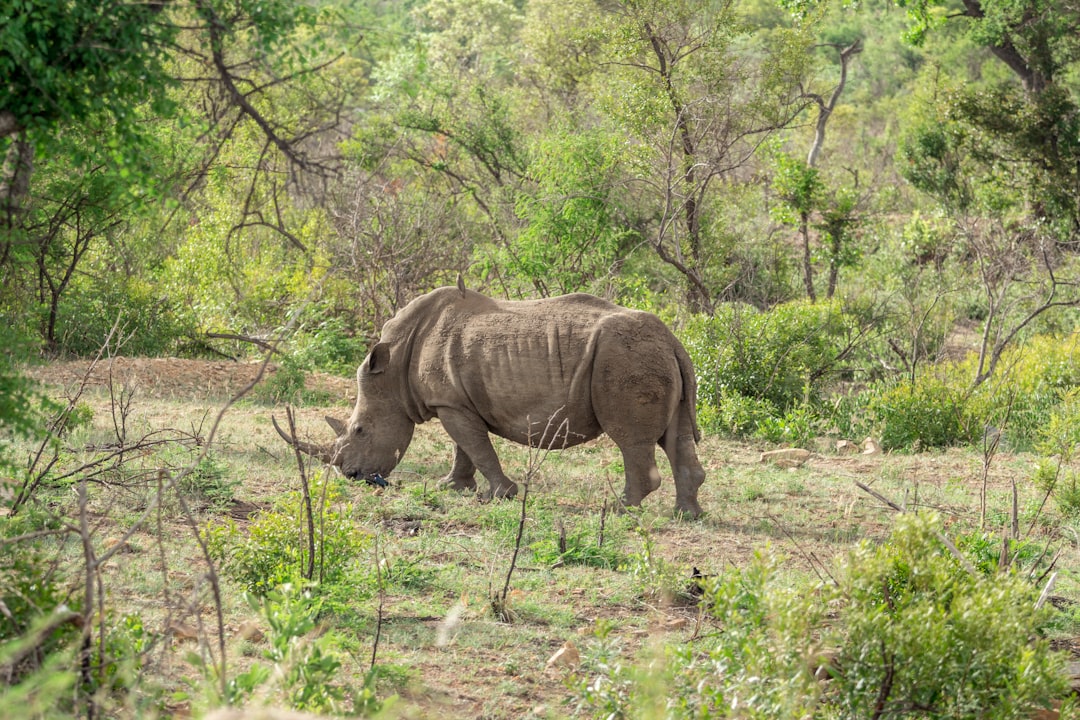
<point x="915" y="635"/>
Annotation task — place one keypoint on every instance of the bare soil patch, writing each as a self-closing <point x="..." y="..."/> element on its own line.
<point x="177" y="378"/>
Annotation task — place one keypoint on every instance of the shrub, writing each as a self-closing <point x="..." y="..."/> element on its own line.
<point x="305" y="671"/>
<point x="328" y="345"/>
<point x="1058" y="472"/>
<point x="209" y="483"/>
<point x="916" y="636"/>
<point x="274" y="550"/>
<point x="777" y="360"/>
<point x="922" y="637"/>
<point x="941" y="408"/>
<point x="927" y="413"/>
<point x="150" y="324"/>
<point x="759" y="667"/>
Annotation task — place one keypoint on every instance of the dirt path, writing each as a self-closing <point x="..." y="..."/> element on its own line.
<point x="175" y="378"/>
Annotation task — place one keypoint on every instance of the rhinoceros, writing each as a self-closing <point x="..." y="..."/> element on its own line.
<point x="549" y="373"/>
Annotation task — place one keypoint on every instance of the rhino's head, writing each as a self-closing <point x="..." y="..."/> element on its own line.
<point x="370" y="444"/>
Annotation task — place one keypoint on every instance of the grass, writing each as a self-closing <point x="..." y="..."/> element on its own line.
<point x="440" y="648"/>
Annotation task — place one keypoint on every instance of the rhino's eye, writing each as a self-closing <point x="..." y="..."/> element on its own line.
<point x="357" y="430"/>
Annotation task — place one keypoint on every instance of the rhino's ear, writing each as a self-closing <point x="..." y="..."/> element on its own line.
<point x="379" y="358"/>
<point x="337" y="425"/>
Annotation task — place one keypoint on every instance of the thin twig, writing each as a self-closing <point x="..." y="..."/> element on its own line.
<point x="309" y="574"/>
<point x="940" y="536"/>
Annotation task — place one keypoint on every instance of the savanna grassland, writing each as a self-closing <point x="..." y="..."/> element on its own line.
<point x="409" y="611"/>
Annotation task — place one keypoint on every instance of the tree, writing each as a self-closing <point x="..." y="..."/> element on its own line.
<point x="1002" y="158"/>
<point x="697" y="105"/>
<point x="130" y="107"/>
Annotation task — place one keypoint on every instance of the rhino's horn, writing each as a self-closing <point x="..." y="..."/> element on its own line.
<point x="325" y="453"/>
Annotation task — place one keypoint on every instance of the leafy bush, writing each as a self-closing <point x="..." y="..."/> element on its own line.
<point x="150" y="324"/>
<point x="925" y="638"/>
<point x="798" y="426"/>
<point x="752" y="365"/>
<point x="209" y="483"/>
<point x="916" y="636"/>
<point x="757" y="668"/>
<point x="274" y="550"/>
<point x="19" y="400"/>
<point x="930" y="412"/>
<point x="304" y="674"/>
<point x="329" y="345"/>
<point x="1058" y="472"/>
<point x="1023" y="396"/>
<point x="941" y="408"/>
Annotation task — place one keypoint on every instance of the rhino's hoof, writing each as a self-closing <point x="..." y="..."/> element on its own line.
<point x="501" y="492"/>
<point x="690" y="511"/>
<point x="460" y="484"/>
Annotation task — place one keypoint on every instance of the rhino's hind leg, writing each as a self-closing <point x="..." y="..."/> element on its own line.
<point x="642" y="476"/>
<point x="470" y="433"/>
<point x="463" y="474"/>
<point x="680" y="446"/>
<point x="689" y="475"/>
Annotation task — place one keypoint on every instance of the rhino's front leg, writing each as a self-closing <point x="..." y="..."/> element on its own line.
<point x="463" y="474"/>
<point x="470" y="433"/>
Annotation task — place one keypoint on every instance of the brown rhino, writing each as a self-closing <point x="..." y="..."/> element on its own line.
<point x="549" y="373"/>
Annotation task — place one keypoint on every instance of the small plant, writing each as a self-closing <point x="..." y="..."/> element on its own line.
<point x="585" y="545"/>
<point x="209" y="483"/>
<point x="1058" y="472"/>
<point x="272" y="552"/>
<point x="797" y="427"/>
<point x="304" y="671"/>
<point x="654" y="576"/>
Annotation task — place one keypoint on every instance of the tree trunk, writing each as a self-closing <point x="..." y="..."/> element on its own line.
<point x="808" y="267"/>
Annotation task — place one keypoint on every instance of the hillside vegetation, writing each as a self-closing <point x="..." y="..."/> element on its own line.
<point x="861" y="219"/>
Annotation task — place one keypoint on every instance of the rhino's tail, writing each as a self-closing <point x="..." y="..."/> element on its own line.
<point x="689" y="383"/>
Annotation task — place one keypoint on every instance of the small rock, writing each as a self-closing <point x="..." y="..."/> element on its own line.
<point x="567" y="656"/>
<point x="121" y="546"/>
<point x="786" y="458"/>
<point x="250" y="631"/>
<point x="846" y="447"/>
<point x="182" y="632"/>
<point x="673" y="624"/>
<point x="870" y="447"/>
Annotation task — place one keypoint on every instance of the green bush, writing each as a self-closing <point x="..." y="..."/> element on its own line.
<point x="209" y="483"/>
<point x="304" y="673"/>
<point x="922" y="637"/>
<point x="1025" y="393"/>
<point x="758" y="667"/>
<point x="911" y="633"/>
<point x="942" y="408"/>
<point x="1058" y="473"/>
<point x="274" y="550"/>
<point x="930" y="412"/>
<point x="328" y="345"/>
<point x="753" y="365"/>
<point x="151" y="325"/>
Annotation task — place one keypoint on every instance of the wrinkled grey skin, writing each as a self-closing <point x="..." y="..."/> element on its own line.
<point x="547" y="373"/>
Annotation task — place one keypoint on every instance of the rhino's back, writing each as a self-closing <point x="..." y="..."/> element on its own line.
<point x="518" y="364"/>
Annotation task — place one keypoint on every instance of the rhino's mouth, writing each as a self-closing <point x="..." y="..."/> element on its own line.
<point x="374" y="478"/>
